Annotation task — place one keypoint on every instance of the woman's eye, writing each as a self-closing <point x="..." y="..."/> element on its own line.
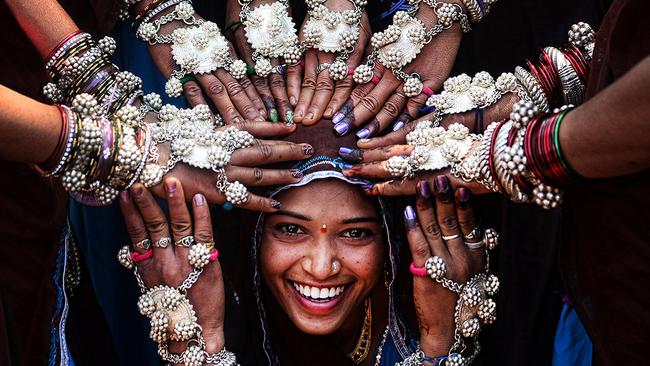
<point x="291" y="229"/>
<point x="356" y="233"/>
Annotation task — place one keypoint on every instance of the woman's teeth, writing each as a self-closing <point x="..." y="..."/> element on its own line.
<point x="318" y="293"/>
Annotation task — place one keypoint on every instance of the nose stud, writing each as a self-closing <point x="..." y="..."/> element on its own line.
<point x="336" y="266"/>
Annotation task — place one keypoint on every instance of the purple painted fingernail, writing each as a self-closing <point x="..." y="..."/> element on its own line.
<point x="296" y="173"/>
<point x="463" y="197"/>
<point x="347" y="166"/>
<point x="410" y="217"/>
<point x="199" y="199"/>
<point x="308" y="150"/>
<point x="423" y="187"/>
<point x="398" y="125"/>
<point x="351" y="154"/>
<point x="341" y="128"/>
<point x="137" y="190"/>
<point x="442" y="188"/>
<point x="337" y="117"/>
<point x="363" y="133"/>
<point x="275" y="204"/>
<point x="170" y="186"/>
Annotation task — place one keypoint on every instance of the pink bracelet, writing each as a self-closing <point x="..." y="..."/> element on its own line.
<point x="214" y="256"/>
<point x="418" y="271"/>
<point x="426" y="90"/>
<point x="139" y="257"/>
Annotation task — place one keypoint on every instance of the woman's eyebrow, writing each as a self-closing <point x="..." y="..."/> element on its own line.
<point x="355" y="220"/>
<point x="289" y="213"/>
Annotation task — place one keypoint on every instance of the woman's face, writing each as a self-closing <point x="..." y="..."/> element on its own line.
<point x="319" y="274"/>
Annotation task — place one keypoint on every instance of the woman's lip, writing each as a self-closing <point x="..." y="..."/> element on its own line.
<point x="321" y="307"/>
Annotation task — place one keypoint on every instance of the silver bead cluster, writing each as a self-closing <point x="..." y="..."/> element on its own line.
<point x="436" y="268"/>
<point x="124" y="257"/>
<point x="199" y="255"/>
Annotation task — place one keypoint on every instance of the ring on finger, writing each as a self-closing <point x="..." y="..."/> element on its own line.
<point x="322" y="67"/>
<point x="163" y="242"/>
<point x="186" y="241"/>
<point x="207" y="244"/>
<point x="142" y="244"/>
<point x="450" y="237"/>
<point x="476" y="233"/>
<point x="475" y="245"/>
<point x="401" y="95"/>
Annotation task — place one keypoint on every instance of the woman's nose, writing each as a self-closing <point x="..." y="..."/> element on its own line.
<point x="321" y="262"/>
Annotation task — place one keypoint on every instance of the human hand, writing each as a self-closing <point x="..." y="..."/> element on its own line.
<point x="244" y="167"/>
<point x="315" y="94"/>
<point x="272" y="89"/>
<point x="169" y="266"/>
<point x="382" y="101"/>
<point x="236" y="100"/>
<point x="440" y="232"/>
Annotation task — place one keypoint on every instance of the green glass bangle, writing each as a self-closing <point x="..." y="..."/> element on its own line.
<point x="556" y="141"/>
<point x="186" y="78"/>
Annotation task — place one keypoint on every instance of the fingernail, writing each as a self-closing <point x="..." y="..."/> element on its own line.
<point x="275" y="204"/>
<point x="463" y="197"/>
<point x="328" y="112"/>
<point x="236" y="120"/>
<point x="309" y="115"/>
<point x="273" y="115"/>
<point x="341" y="128"/>
<point x="137" y="190"/>
<point x="170" y="186"/>
<point x="347" y="166"/>
<point x="442" y="186"/>
<point x="410" y="217"/>
<point x="298" y="114"/>
<point x="292" y="100"/>
<point x="308" y="149"/>
<point x="337" y="117"/>
<point x="423" y="187"/>
<point x="199" y="199"/>
<point x="288" y="117"/>
<point x="296" y="173"/>
<point x="124" y="196"/>
<point x="262" y="113"/>
<point x="354" y="155"/>
<point x="362" y="134"/>
<point x="367" y="186"/>
<point x="363" y="141"/>
<point x="398" y="125"/>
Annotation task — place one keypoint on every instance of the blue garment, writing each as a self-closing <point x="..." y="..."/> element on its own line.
<point x="572" y="344"/>
<point x="100" y="232"/>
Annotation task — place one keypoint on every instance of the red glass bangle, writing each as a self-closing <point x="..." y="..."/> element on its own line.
<point x="58" y="45"/>
<point x="140" y="257"/>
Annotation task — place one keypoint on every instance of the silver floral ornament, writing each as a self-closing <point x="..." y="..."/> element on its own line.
<point x="455" y="359"/>
<point x="436" y="268"/>
<point x="194" y="356"/>
<point x="491" y="238"/>
<point x="238" y="69"/>
<point x="362" y="74"/>
<point x="487" y="311"/>
<point x="159" y="324"/>
<point x="146" y="305"/>
<point x="338" y="70"/>
<point x="171" y="299"/>
<point x="263" y="67"/>
<point x="199" y="256"/>
<point x="412" y="87"/>
<point x="124" y="257"/>
<point x="470" y="328"/>
<point x="174" y="87"/>
<point x="492" y="285"/>
<point x="236" y="193"/>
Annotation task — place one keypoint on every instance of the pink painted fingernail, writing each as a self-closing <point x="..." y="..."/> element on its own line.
<point x="199" y="199"/>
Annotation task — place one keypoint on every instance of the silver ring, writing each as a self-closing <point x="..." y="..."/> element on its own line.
<point x="186" y="241"/>
<point x="279" y="69"/>
<point x="143" y="244"/>
<point x="450" y="237"/>
<point x="474" y="234"/>
<point x="401" y="95"/>
<point x="477" y="245"/>
<point x="322" y="67"/>
<point x="163" y="242"/>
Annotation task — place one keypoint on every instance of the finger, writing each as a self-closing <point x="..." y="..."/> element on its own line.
<point x="267" y="153"/>
<point x="193" y="93"/>
<point x="417" y="241"/>
<point x="392" y="138"/>
<point x="202" y="221"/>
<point x="388" y="113"/>
<point x="266" y="129"/>
<point x="446" y="214"/>
<point x="342" y="90"/>
<point x="262" y="87"/>
<point x="395" y="187"/>
<point x="260" y="204"/>
<point x="254" y="96"/>
<point x="155" y="222"/>
<point x="179" y="215"/>
<point x="308" y="86"/>
<point x="263" y="177"/>
<point x="294" y="83"/>
<point x="375" y="169"/>
<point x="322" y="95"/>
<point x="414" y="104"/>
<point x="380" y="154"/>
<point x="133" y="220"/>
<point x="428" y="221"/>
<point x="279" y="91"/>
<point x="217" y="93"/>
<point x="238" y="96"/>
<point x="370" y="104"/>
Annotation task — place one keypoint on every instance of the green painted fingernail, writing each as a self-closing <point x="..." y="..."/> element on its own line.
<point x="273" y="115"/>
<point x="288" y="117"/>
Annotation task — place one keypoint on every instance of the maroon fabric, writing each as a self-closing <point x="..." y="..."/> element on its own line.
<point x="606" y="247"/>
<point x="33" y="208"/>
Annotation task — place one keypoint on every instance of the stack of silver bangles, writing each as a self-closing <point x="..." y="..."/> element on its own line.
<point x="271" y="33"/>
<point x="404" y="39"/>
<point x="172" y="315"/>
<point x="474" y="308"/>
<point x="333" y="31"/>
<point x="198" y="48"/>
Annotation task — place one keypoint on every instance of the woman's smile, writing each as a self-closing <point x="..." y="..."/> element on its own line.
<point x="317" y="299"/>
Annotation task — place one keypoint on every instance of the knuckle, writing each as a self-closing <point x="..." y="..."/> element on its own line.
<point x="181" y="226"/>
<point x="215" y="88"/>
<point x="258" y="175"/>
<point x="432" y="229"/>
<point x="170" y="273"/>
<point x="277" y="81"/>
<point x="309" y="83"/>
<point x="391" y="109"/>
<point x="370" y="102"/>
<point x="203" y="235"/>
<point x="265" y="151"/>
<point x="234" y="88"/>
<point x="157" y="226"/>
<point x="345" y="83"/>
<point x="192" y="89"/>
<point x="136" y="232"/>
<point x="420" y="249"/>
<point x="465" y="221"/>
<point x="358" y="93"/>
<point x="449" y="222"/>
<point x="325" y="84"/>
<point x="245" y="83"/>
<point x="260" y="83"/>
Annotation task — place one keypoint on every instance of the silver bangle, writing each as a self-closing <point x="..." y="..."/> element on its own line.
<point x="533" y="87"/>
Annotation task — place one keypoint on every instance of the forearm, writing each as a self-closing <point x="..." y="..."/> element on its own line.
<point x="28" y="129"/>
<point x="609" y="135"/>
<point x="44" y="21"/>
